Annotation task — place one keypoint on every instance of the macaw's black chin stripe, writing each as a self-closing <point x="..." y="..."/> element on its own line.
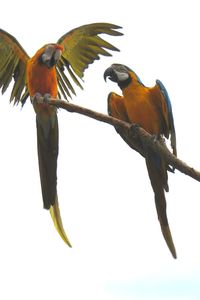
<point x="123" y="84"/>
<point x="52" y="62"/>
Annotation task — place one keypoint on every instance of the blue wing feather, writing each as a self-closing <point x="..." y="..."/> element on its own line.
<point x="170" y="115"/>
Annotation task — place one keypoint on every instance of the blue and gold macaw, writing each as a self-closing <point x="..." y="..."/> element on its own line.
<point x="151" y="109"/>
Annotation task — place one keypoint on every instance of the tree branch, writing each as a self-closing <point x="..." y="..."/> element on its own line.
<point x="137" y="136"/>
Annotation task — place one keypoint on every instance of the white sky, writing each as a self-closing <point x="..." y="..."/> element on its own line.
<point x="105" y="196"/>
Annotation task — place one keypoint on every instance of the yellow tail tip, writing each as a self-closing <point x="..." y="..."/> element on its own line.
<point x="56" y="217"/>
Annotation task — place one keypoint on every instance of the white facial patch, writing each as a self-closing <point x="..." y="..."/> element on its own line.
<point x="121" y="76"/>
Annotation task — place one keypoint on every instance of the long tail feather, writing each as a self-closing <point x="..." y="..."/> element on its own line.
<point x="56" y="217"/>
<point x="168" y="238"/>
<point x="47" y="138"/>
<point x="158" y="176"/>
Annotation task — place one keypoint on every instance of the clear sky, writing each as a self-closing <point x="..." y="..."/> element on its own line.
<point x="105" y="196"/>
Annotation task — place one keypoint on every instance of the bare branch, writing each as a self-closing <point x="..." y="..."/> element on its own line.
<point x="137" y="135"/>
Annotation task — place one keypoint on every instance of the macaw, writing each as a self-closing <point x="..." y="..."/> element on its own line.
<point x="151" y="109"/>
<point x="44" y="75"/>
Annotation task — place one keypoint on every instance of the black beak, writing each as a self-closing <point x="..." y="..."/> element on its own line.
<point x="118" y="73"/>
<point x="111" y="74"/>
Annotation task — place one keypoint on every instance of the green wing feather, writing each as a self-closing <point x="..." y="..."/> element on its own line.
<point x="13" y="59"/>
<point x="82" y="46"/>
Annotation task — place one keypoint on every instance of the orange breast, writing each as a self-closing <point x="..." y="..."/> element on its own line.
<point x="41" y="79"/>
<point x="140" y="109"/>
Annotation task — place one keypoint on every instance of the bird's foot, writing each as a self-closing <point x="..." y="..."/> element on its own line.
<point x="38" y="98"/>
<point x="134" y="129"/>
<point x="155" y="138"/>
<point x="148" y="145"/>
<point x="46" y="98"/>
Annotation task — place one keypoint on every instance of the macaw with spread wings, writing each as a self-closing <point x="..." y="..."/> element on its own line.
<point x="44" y="75"/>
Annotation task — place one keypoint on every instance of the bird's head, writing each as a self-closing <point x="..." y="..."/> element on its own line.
<point x="50" y="54"/>
<point x="119" y="74"/>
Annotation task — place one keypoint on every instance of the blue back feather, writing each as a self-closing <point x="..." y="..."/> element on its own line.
<point x="170" y="114"/>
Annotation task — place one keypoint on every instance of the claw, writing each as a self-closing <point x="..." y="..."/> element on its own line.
<point x="36" y="98"/>
<point x="155" y="138"/>
<point x="46" y="98"/>
<point x="133" y="129"/>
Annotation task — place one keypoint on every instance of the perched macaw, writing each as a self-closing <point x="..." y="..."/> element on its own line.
<point x="151" y="109"/>
<point x="44" y="75"/>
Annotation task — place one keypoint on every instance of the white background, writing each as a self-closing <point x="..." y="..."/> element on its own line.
<point x="105" y="196"/>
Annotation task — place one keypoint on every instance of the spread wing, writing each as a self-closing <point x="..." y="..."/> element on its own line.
<point x="116" y="109"/>
<point x="169" y="113"/>
<point x="82" y="46"/>
<point x="13" y="59"/>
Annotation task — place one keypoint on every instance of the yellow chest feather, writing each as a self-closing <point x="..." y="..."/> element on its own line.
<point x="140" y="109"/>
